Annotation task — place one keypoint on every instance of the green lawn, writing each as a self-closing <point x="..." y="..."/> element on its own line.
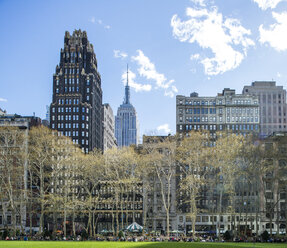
<point x="97" y="244"/>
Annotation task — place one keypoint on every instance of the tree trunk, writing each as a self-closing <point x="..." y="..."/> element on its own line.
<point x="73" y="223"/>
<point x="65" y="221"/>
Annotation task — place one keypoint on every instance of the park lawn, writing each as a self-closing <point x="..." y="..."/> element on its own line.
<point x="98" y="244"/>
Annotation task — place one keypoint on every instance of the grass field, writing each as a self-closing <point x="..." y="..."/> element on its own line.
<point x="97" y="244"/>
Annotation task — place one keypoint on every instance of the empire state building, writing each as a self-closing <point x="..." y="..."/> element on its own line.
<point x="126" y="123"/>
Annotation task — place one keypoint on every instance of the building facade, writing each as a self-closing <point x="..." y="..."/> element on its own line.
<point x="126" y="130"/>
<point x="109" y="140"/>
<point x="76" y="108"/>
<point x="14" y="131"/>
<point x="273" y="194"/>
<point x="156" y="219"/>
<point x="272" y="101"/>
<point x="236" y="113"/>
<point x="226" y="111"/>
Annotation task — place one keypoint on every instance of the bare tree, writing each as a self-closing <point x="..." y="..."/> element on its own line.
<point x="161" y="158"/>
<point x="193" y="154"/>
<point x="40" y="154"/>
<point x="12" y="173"/>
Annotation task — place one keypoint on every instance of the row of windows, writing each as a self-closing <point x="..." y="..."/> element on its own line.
<point x="70" y="81"/>
<point x="199" y="111"/>
<point x="9" y="220"/>
<point x="73" y="133"/>
<point x="200" y="127"/>
<point x="74" y="125"/>
<point x="68" y="101"/>
<point x="213" y="110"/>
<point x="76" y="133"/>
<point x="242" y="110"/>
<point x="70" y="109"/>
<point x="71" y="71"/>
<point x="242" y="119"/>
<point x="220" y="119"/>
<point x="219" y="102"/>
<point x="70" y="117"/>
<point x="213" y="127"/>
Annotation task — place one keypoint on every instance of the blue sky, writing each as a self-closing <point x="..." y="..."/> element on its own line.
<point x="172" y="47"/>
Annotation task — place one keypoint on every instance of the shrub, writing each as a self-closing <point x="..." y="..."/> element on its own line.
<point x="227" y="236"/>
<point x="265" y="235"/>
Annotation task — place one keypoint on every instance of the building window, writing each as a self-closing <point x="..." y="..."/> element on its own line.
<point x="9" y="220"/>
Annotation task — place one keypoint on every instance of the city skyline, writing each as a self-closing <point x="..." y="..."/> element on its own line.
<point x="167" y="56"/>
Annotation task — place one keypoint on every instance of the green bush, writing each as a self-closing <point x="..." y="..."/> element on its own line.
<point x="227" y="236"/>
<point x="121" y="234"/>
<point x="265" y="236"/>
<point x="5" y="234"/>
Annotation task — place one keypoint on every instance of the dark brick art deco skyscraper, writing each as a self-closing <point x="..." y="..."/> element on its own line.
<point x="77" y="94"/>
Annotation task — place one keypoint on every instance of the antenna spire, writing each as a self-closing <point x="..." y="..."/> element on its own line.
<point x="127" y="74"/>
<point x="127" y="89"/>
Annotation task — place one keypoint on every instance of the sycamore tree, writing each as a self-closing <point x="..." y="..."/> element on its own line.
<point x="193" y="156"/>
<point x="12" y="173"/>
<point x="122" y="178"/>
<point x="90" y="172"/>
<point x="40" y="154"/>
<point x="226" y="161"/>
<point x="161" y="160"/>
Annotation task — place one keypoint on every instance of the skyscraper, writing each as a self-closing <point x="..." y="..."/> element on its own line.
<point x="226" y="111"/>
<point x="109" y="140"/>
<point x="76" y="108"/>
<point x="273" y="108"/>
<point x="126" y="130"/>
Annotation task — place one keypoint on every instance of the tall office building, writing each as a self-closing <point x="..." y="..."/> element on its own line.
<point x="126" y="121"/>
<point x="226" y="111"/>
<point x="76" y="110"/>
<point x="109" y="139"/>
<point x="272" y="101"/>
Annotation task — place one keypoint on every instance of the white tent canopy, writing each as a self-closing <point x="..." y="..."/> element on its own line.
<point x="134" y="227"/>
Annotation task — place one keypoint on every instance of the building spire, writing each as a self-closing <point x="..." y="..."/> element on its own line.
<point x="127" y="89"/>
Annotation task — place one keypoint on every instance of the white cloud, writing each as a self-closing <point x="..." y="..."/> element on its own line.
<point x="226" y="38"/>
<point x="164" y="128"/>
<point x="120" y="54"/>
<point x="278" y="74"/>
<point x="137" y="86"/>
<point x="147" y="69"/>
<point x="275" y="35"/>
<point x="199" y="2"/>
<point x="93" y="20"/>
<point x="265" y="4"/>
<point x="194" y="56"/>
<point x="100" y="22"/>
<point x="3" y="100"/>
